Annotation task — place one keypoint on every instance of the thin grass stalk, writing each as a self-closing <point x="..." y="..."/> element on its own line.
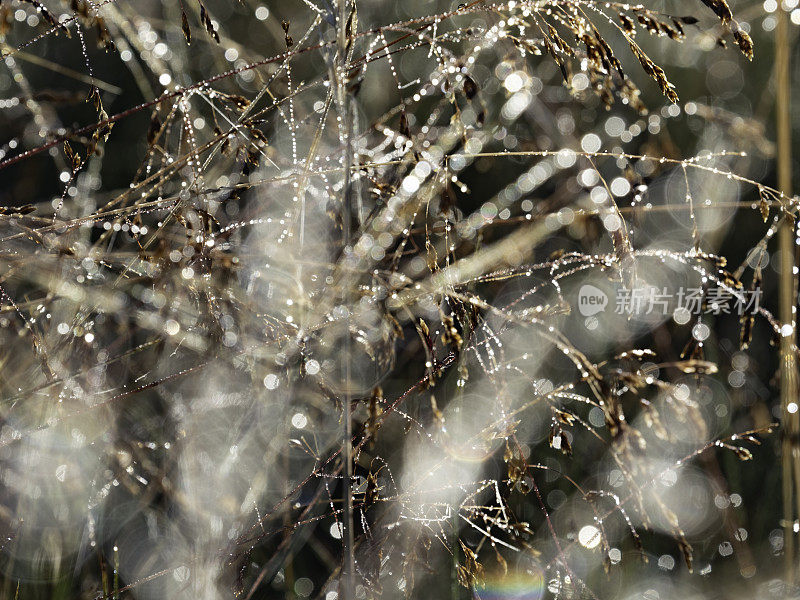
<point x="787" y="288"/>
<point x="344" y="49"/>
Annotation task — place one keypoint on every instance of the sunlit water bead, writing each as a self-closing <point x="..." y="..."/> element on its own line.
<point x="700" y="332"/>
<point x="666" y="562"/>
<point x="681" y="315"/>
<point x="299" y="421"/>
<point x="271" y="381"/>
<point x="770" y="6"/>
<point x="336" y="530"/>
<point x="312" y="366"/>
<point x="589" y="536"/>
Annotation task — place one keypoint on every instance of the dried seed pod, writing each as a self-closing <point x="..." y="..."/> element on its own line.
<point x="94" y="96"/>
<point x="103" y="36"/>
<point x="627" y="24"/>
<point x="471" y="572"/>
<point x="104" y="130"/>
<point x="746" y="332"/>
<point x="73" y="159"/>
<point x="154" y="129"/>
<point x="405" y="130"/>
<point x="745" y="42"/>
<point x="470" y="87"/>
<point x="763" y="207"/>
<point x="187" y="32"/>
<point x="558" y="440"/>
<point x="46" y="14"/>
<point x="649" y="23"/>
<point x="564" y="417"/>
<point x="371" y="494"/>
<point x="656" y="72"/>
<point x="205" y="19"/>
<point x="688" y="553"/>
<point x="721" y="9"/>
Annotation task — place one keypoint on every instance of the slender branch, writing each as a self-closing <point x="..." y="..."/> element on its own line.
<point x="344" y="49"/>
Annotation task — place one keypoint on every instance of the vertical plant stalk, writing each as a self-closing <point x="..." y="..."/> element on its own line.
<point x="344" y="45"/>
<point x="789" y="395"/>
<point x="455" y="591"/>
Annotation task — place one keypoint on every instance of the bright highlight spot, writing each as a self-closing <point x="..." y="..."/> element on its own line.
<point x="589" y="536"/>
